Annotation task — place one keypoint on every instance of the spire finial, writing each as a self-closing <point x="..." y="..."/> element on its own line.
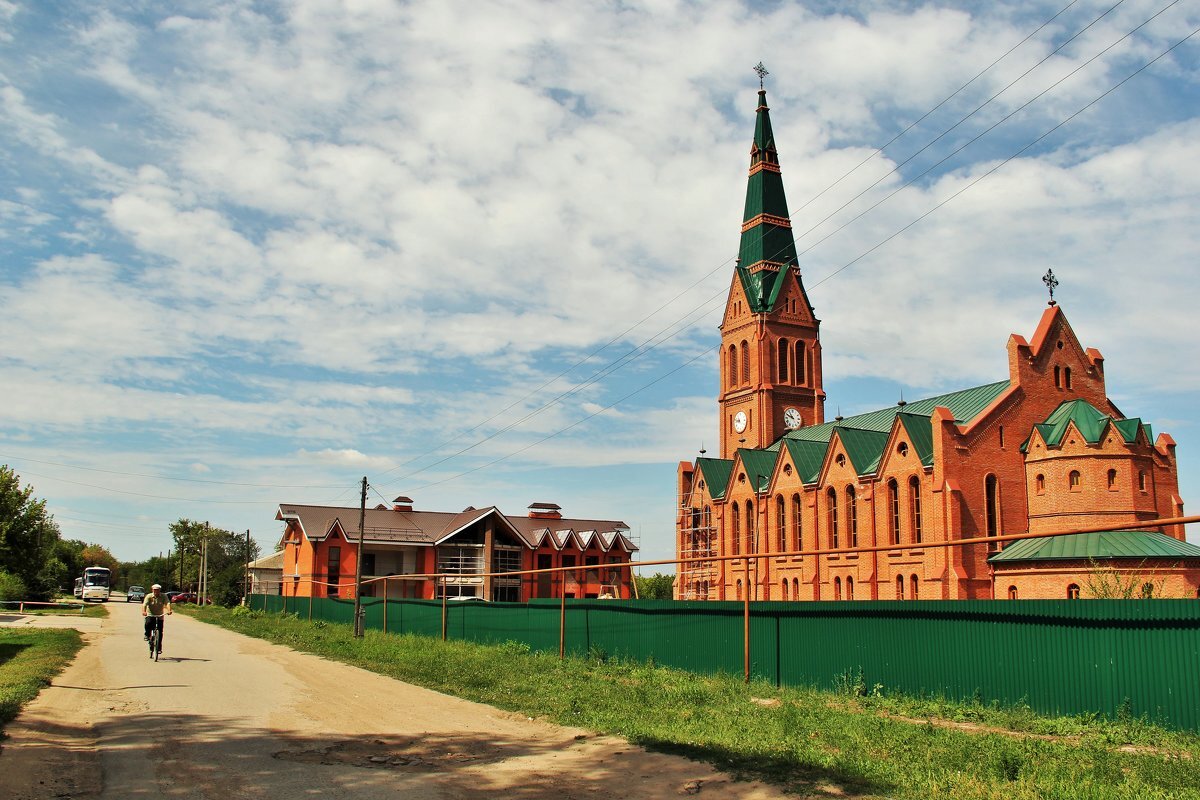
<point x="1051" y="283"/>
<point x="762" y="73"/>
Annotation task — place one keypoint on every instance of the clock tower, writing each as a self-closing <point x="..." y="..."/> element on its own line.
<point x="770" y="347"/>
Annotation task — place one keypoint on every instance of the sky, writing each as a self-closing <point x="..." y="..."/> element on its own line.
<point x="251" y="252"/>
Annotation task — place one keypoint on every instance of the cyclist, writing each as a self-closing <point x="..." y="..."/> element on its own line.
<point x="152" y="609"/>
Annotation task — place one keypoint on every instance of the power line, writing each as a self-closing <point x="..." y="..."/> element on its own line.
<point x="642" y="349"/>
<point x="11" y="459"/>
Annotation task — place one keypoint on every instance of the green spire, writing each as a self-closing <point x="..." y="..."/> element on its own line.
<point x="766" y="228"/>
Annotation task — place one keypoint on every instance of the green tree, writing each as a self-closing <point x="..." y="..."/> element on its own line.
<point x="69" y="553"/>
<point x="227" y="557"/>
<point x="28" y="536"/>
<point x="655" y="587"/>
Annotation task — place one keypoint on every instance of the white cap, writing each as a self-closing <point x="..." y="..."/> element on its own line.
<point x="156" y="586"/>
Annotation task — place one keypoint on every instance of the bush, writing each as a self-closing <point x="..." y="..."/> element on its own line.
<point x="12" y="587"/>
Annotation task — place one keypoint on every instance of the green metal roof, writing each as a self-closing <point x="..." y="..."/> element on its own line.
<point x="716" y="474"/>
<point x="760" y="464"/>
<point x="865" y="448"/>
<point x="920" y="432"/>
<point x="766" y="240"/>
<point x="808" y="457"/>
<point x="1098" y="547"/>
<point x="1089" y="421"/>
<point x="965" y="405"/>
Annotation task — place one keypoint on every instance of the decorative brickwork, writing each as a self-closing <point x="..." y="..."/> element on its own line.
<point x="1044" y="451"/>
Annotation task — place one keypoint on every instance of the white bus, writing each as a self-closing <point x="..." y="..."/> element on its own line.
<point x="96" y="583"/>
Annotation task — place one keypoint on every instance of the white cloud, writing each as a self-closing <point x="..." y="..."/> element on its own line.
<point x="332" y="234"/>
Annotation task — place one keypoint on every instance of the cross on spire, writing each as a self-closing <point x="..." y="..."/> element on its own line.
<point x="1051" y="283"/>
<point x="762" y="73"/>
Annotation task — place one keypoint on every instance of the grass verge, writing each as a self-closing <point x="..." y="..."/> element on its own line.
<point x="29" y="659"/>
<point x="816" y="743"/>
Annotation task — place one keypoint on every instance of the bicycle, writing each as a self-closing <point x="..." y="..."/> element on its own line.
<point x="155" y="642"/>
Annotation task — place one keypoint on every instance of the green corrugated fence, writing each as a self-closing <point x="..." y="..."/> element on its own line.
<point x="1058" y="656"/>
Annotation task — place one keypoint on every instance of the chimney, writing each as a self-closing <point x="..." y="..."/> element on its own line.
<point x="545" y="511"/>
<point x="402" y="503"/>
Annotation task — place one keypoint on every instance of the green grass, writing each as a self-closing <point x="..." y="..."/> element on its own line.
<point x="74" y="610"/>
<point x="816" y="743"/>
<point x="28" y="661"/>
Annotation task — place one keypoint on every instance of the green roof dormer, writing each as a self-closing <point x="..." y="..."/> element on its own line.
<point x="767" y="248"/>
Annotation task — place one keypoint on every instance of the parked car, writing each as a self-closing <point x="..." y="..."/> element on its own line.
<point x="189" y="597"/>
<point x="137" y="593"/>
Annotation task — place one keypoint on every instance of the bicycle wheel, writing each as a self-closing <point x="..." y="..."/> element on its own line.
<point x="154" y="642"/>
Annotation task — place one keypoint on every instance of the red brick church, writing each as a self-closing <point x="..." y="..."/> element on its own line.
<point x="1042" y="450"/>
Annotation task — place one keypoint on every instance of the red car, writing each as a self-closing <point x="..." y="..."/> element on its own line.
<point x="188" y="597"/>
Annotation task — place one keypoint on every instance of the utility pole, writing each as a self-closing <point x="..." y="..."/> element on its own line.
<point x="246" y="583"/>
<point x="203" y="582"/>
<point x="362" y="521"/>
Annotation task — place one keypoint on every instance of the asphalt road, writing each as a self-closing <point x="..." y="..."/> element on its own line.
<point x="225" y="717"/>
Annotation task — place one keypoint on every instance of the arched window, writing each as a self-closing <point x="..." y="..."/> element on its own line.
<point x="1039" y="484"/>
<point x="733" y="365"/>
<point x="831" y="513"/>
<point x="852" y="515"/>
<point x="745" y="362"/>
<point x="1112" y="479"/>
<point x="781" y="522"/>
<point x="915" y="594"/>
<point x="1057" y="377"/>
<point x="1067" y="377"/>
<point x="1142" y="480"/>
<point x="783" y="589"/>
<point x="739" y="589"/>
<point x="751" y="543"/>
<point x="785" y="350"/>
<point x="1073" y="591"/>
<point x="801" y="363"/>
<point x="797" y="516"/>
<point x="914" y="499"/>
<point x="1074" y="480"/>
<point x="899" y="587"/>
<point x="991" y="489"/>
<point x="796" y="588"/>
<point x="837" y="588"/>
<point x="849" y="588"/>
<point x="893" y="489"/>
<point x="1012" y="593"/>
<point x="708" y="517"/>
<point x="736" y="524"/>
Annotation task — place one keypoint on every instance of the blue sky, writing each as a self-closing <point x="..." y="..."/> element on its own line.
<point x="253" y="251"/>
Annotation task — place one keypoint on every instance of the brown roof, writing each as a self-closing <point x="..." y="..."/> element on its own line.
<point x="389" y="526"/>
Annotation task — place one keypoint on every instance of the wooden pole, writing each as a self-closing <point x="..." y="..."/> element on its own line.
<point x="562" y="618"/>
<point x="362" y="521"/>
<point x="746" y="630"/>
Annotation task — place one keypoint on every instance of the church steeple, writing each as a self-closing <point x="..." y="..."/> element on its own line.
<point x="770" y="349"/>
<point x="767" y="241"/>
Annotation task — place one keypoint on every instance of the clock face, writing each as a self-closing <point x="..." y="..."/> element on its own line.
<point x="739" y="421"/>
<point x="791" y="418"/>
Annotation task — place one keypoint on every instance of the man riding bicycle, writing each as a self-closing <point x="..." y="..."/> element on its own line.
<point x="152" y="609"/>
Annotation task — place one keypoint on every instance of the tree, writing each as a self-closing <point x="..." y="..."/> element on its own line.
<point x="95" y="555"/>
<point x="227" y="557"/>
<point x="655" y="587"/>
<point x="28" y="536"/>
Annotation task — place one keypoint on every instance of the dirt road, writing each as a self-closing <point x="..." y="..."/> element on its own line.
<point x="225" y="717"/>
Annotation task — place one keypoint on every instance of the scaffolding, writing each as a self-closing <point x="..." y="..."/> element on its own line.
<point x="697" y="539"/>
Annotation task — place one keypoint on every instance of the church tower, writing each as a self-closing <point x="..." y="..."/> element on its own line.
<point x="770" y="348"/>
